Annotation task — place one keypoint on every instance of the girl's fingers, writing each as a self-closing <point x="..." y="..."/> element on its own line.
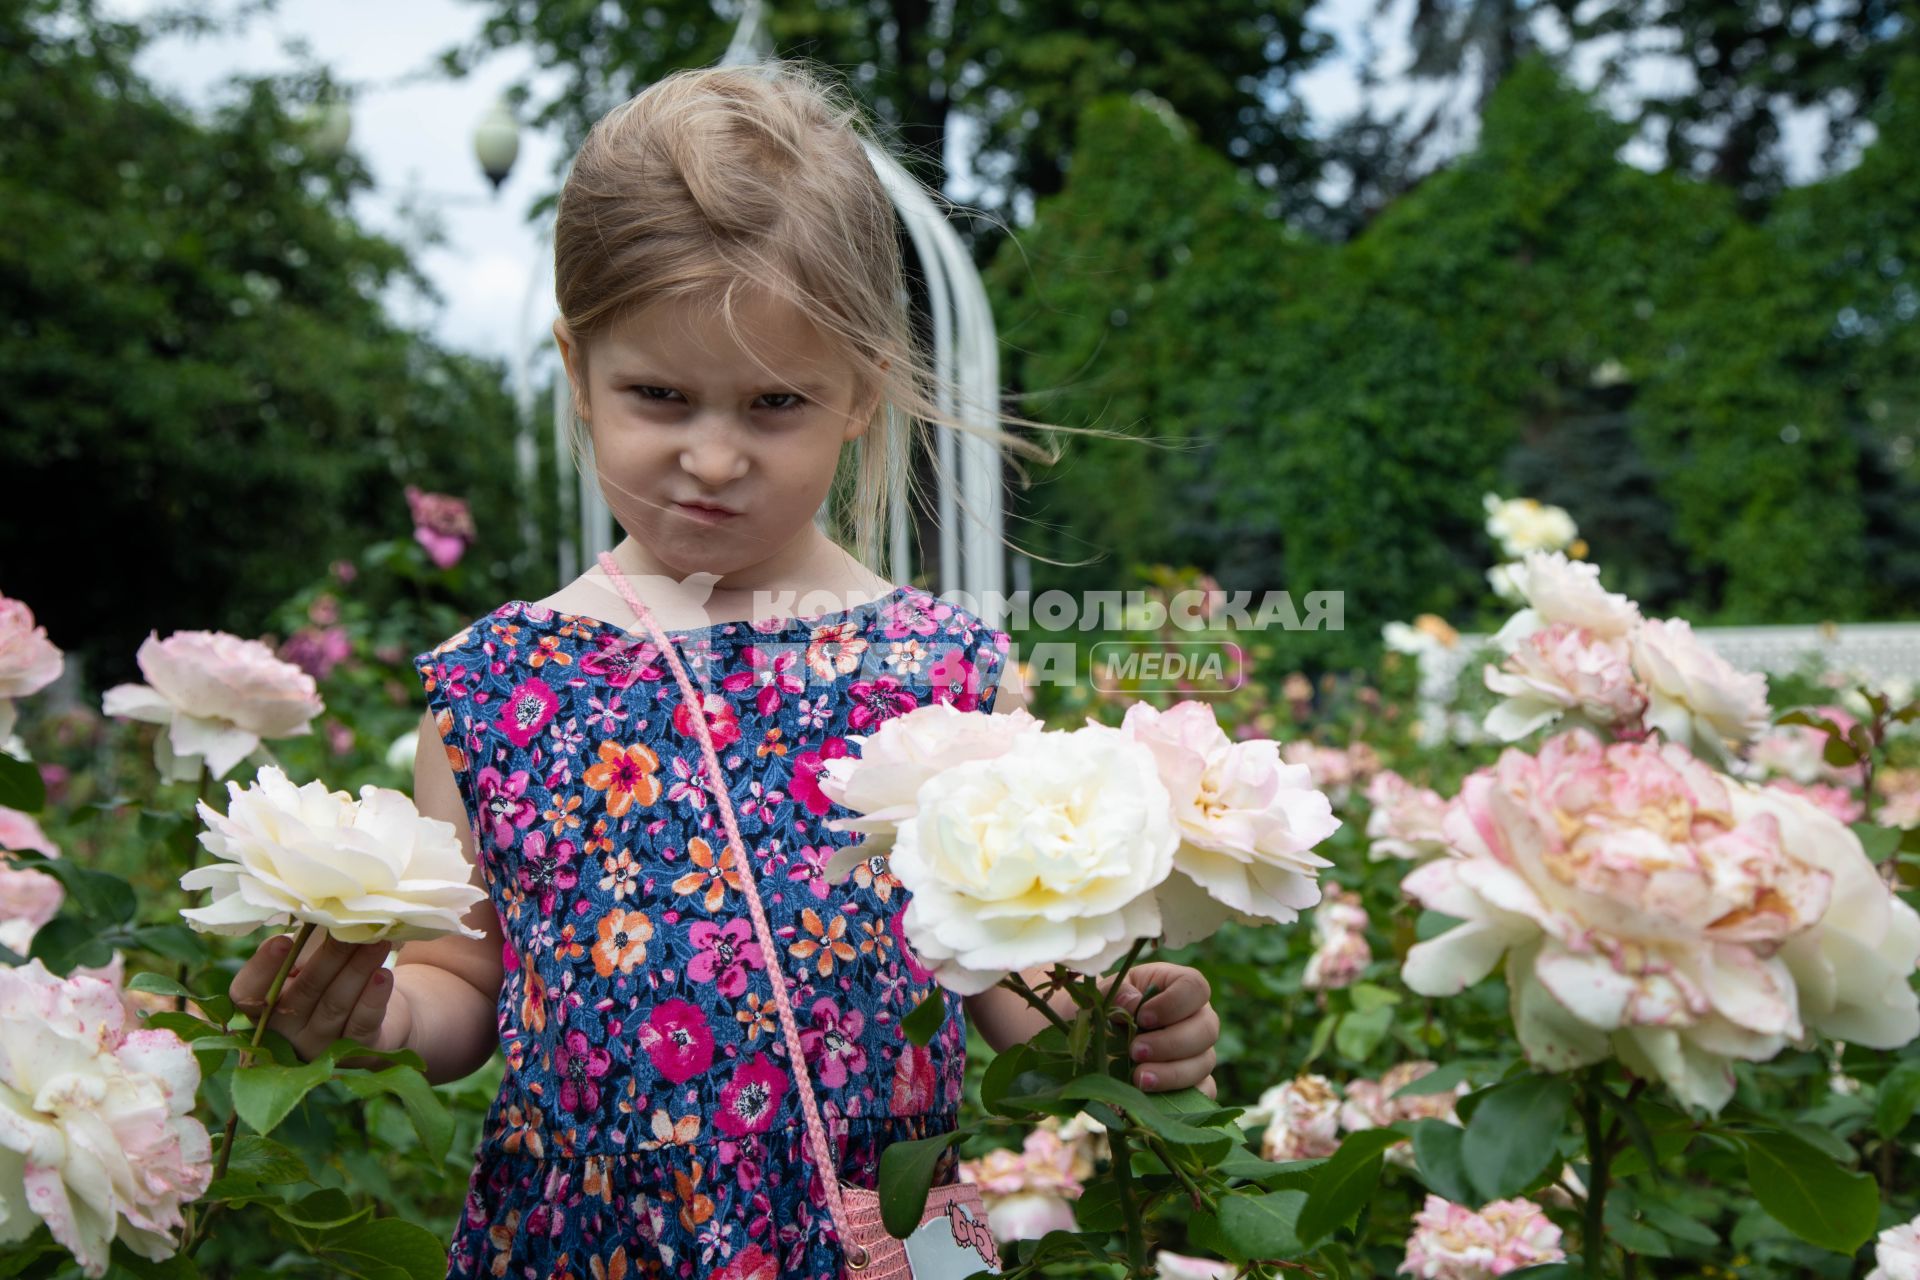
<point x="312" y="974"/>
<point x="248" y="990"/>
<point x="1184" y="1074"/>
<point x="1183" y="993"/>
<point x="363" y="1026"/>
<point x="1188" y="1038"/>
<point x="333" y="1006"/>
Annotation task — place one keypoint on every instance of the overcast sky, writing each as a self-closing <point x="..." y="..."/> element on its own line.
<point x="417" y="137"/>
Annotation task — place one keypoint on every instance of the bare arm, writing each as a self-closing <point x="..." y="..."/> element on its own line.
<point x="448" y="987"/>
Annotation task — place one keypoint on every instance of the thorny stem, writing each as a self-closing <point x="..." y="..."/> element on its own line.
<point x="1599" y="1155"/>
<point x="1018" y="985"/>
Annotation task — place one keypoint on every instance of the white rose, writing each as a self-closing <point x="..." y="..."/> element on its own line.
<point x="883" y="781"/>
<point x="1521" y="525"/>
<point x="1177" y="1266"/>
<point x="1050" y="852"/>
<point x="29" y="662"/>
<point x="1896" y="1254"/>
<point x="1557" y="589"/>
<point x="1695" y="696"/>
<point x="363" y="870"/>
<point x="1852" y="969"/>
<point x="218" y="695"/>
<point x="97" y="1135"/>
<point x="1562" y="670"/>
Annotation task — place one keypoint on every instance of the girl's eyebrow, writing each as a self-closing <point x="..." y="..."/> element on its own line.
<point x="654" y="380"/>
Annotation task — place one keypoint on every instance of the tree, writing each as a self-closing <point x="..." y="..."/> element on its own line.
<point x="205" y="401"/>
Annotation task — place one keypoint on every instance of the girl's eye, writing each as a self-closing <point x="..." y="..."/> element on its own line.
<point x="659" y="395"/>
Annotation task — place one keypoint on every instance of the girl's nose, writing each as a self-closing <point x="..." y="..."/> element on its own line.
<point x="711" y="456"/>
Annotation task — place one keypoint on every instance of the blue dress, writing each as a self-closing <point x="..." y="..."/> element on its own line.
<point x="648" y="1122"/>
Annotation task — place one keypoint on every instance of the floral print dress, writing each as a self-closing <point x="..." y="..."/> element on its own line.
<point x="649" y="1123"/>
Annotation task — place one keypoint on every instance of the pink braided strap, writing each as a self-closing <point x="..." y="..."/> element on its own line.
<point x="790" y="1029"/>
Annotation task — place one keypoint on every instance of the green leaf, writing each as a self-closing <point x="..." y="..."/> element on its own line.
<point x="264" y="1160"/>
<point x="174" y="941"/>
<point x="173" y="1268"/>
<point x="1345" y="1184"/>
<point x="1263" y="1226"/>
<point x="327" y="1209"/>
<point x="1208" y="1144"/>
<point x="21" y="786"/>
<point x="1546" y="1271"/>
<point x="1514" y="1133"/>
<point x="1679" y="1225"/>
<point x="1880" y="842"/>
<point x="431" y="1119"/>
<point x="1360" y="1033"/>
<point x="1839" y="752"/>
<point x="1367" y="997"/>
<point x="1439" y="1080"/>
<point x="263" y="1095"/>
<point x="923" y="1024"/>
<point x="906" y="1175"/>
<point x="64" y="944"/>
<point x="1000" y="1074"/>
<point x="1322" y="1037"/>
<point x="1809" y="1194"/>
<point x="1899" y="1094"/>
<point x="387" y="1245"/>
<point x="1437" y="1159"/>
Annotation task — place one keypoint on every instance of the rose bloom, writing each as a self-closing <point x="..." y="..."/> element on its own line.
<point x="364" y="870"/>
<point x="1562" y="670"/>
<point x="1896" y="1255"/>
<point x="442" y="524"/>
<point x="1559" y="590"/>
<point x="1178" y="1266"/>
<point x="29" y="662"/>
<point x="1370" y="1104"/>
<point x="97" y="1120"/>
<point x="1798" y="751"/>
<point x="1695" y="696"/>
<point x="1302" y="1117"/>
<point x="1341" y="952"/>
<point x="1028" y="1192"/>
<point x="882" y="783"/>
<point x="218" y="695"/>
<point x="1405" y="821"/>
<point x="1651" y="908"/>
<point x="1452" y="1242"/>
<point x="1334" y="770"/>
<point x="1838" y="801"/>
<point x="1899" y="791"/>
<point x="1521" y="525"/>
<point x="1247" y="822"/>
<point x="1048" y="853"/>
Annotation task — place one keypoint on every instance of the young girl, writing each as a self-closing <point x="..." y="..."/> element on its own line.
<point x="729" y="287"/>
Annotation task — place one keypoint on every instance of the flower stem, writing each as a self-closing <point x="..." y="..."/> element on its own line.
<point x="1018" y="985"/>
<point x="1599" y="1156"/>
<point x="1117" y="1143"/>
<point x="198" y="1232"/>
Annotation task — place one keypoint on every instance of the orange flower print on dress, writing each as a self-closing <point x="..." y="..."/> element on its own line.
<point x="523" y="1130"/>
<point x="615" y="1267"/>
<point x="627" y="774"/>
<point x="695" y="1205"/>
<point x="829" y="941"/>
<point x="835" y="649"/>
<point x="456" y="757"/>
<point x="549" y="649"/>
<point x="714" y="873"/>
<point x="622" y="943"/>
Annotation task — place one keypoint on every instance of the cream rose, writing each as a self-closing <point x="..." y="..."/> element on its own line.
<point x="29" y="662"/>
<point x="1695" y="696"/>
<point x="362" y="870"/>
<point x="218" y="695"/>
<point x="1049" y="852"/>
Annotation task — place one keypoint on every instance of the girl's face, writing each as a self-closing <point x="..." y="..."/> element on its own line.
<point x="714" y="455"/>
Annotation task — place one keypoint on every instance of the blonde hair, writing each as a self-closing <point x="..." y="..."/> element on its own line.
<point x="717" y="179"/>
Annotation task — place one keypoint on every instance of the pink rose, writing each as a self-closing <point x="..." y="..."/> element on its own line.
<point x="1452" y="1242"/>
<point x="442" y="524"/>
<point x="1560" y="671"/>
<point x="218" y="695"/>
<point x="1405" y="820"/>
<point x="29" y="662"/>
<point x="1302" y="1117"/>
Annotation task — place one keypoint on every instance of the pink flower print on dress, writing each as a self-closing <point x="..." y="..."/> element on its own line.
<point x="770" y="673"/>
<point x="751" y="1099"/>
<point x="678" y="1040"/>
<point x="580" y="1063"/>
<point x="622" y="662"/>
<point x="546" y="867"/>
<point x="913" y="1081"/>
<point x="877" y="701"/>
<point x="722" y="721"/>
<point x="504" y="806"/>
<point x="725" y="953"/>
<point x="832" y="1043"/>
<point x="955" y="680"/>
<point x="526" y="711"/>
<point x="807" y="768"/>
<point x="835" y="650"/>
<point x="750" y="1264"/>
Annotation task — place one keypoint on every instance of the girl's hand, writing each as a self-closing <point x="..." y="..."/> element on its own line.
<point x="1178" y="1027"/>
<point x="335" y="990"/>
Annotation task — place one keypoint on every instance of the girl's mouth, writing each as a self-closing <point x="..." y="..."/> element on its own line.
<point x="704" y="515"/>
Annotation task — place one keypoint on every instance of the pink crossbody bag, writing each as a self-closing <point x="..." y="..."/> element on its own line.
<point x="952" y="1240"/>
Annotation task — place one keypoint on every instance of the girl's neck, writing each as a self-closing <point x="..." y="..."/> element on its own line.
<point x="819" y="572"/>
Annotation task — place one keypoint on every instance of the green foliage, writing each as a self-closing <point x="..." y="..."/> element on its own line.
<point x="206" y="399"/>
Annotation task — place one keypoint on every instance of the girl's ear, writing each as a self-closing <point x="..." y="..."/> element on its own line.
<point x="862" y="416"/>
<point x="570" y="354"/>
